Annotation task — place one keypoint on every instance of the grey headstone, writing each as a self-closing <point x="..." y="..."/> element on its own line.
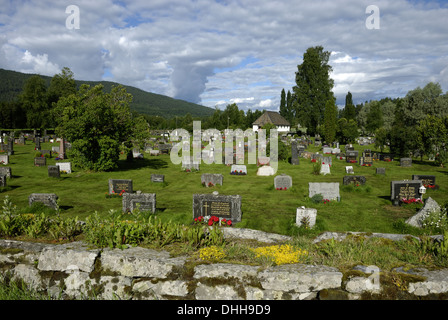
<point x="48" y="199"/>
<point x="406" y="162"/>
<point x="308" y="214"/>
<point x="157" y="178"/>
<point x="211" y="178"/>
<point x="282" y="181"/>
<point x="144" y="201"/>
<point x="406" y="189"/>
<point x="354" y="179"/>
<point x="329" y="190"/>
<point x="120" y="185"/>
<point x="40" y="162"/>
<point x="221" y="206"/>
<point x="53" y="172"/>
<point x="2" y="180"/>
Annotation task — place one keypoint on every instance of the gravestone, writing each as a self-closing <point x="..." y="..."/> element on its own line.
<point x="157" y="178"/>
<point x="65" y="166"/>
<point x="282" y="182"/>
<point x="367" y="157"/>
<point x="380" y="170"/>
<point x="55" y="149"/>
<point x="238" y="169"/>
<point x="349" y="169"/>
<point x="62" y="154"/>
<point x="48" y="199"/>
<point x="4" y="159"/>
<point x="356" y="180"/>
<point x="154" y="152"/>
<point x="405" y="162"/>
<point x="40" y="162"/>
<point x="406" y="189"/>
<point x="327" y="150"/>
<point x="10" y="146"/>
<point x="6" y="171"/>
<point x="325" y="169"/>
<point x="143" y="201"/>
<point x="326" y="160"/>
<point x="165" y="148"/>
<point x="306" y="215"/>
<point x="211" y="179"/>
<point x="262" y="161"/>
<point x="53" y="172"/>
<point x="221" y="206"/>
<point x="2" y="180"/>
<point x="329" y="190"/>
<point x="427" y="180"/>
<point x="37" y="147"/>
<point x="265" y="171"/>
<point x="120" y="185"/>
<point x="351" y="156"/>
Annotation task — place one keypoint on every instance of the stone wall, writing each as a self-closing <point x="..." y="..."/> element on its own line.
<point x="75" y="271"/>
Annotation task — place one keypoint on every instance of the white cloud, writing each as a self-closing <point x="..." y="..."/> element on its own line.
<point x="217" y="52"/>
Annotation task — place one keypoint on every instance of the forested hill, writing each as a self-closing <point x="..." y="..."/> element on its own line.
<point x="12" y="82"/>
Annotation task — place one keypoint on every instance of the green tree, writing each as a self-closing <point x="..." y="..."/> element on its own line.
<point x="349" y="109"/>
<point x="313" y="88"/>
<point x="432" y="135"/>
<point x="283" y="110"/>
<point x="96" y="124"/>
<point x="61" y="85"/>
<point x="374" y="117"/>
<point x="381" y="138"/>
<point x="330" y="121"/>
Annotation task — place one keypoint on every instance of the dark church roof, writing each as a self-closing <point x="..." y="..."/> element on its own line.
<point x="271" y="117"/>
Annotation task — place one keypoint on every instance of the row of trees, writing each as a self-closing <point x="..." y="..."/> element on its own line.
<point x="98" y="125"/>
<point x="416" y="123"/>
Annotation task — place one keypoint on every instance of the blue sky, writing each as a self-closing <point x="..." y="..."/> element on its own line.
<point x="219" y="52"/>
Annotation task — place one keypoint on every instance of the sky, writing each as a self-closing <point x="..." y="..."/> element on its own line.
<point x="216" y="53"/>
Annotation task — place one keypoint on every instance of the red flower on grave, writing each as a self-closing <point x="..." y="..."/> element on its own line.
<point x="210" y="222"/>
<point x="229" y="222"/>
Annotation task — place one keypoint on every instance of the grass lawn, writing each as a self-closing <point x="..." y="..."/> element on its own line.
<point x="366" y="209"/>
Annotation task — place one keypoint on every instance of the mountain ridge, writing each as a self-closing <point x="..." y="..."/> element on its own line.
<point x="148" y="103"/>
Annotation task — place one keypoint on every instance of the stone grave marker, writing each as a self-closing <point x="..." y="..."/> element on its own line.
<point x="238" y="169"/>
<point x="351" y="156"/>
<point x="265" y="171"/>
<point x="154" y="152"/>
<point x="157" y="178"/>
<point x="405" y="190"/>
<point x="306" y="216"/>
<point x="4" y="159"/>
<point x="349" y="169"/>
<point x="2" y="180"/>
<point x="53" y="172"/>
<point x="406" y="162"/>
<point x="37" y="147"/>
<point x="329" y="190"/>
<point x="327" y="160"/>
<point x="40" y="162"/>
<point x="211" y="179"/>
<point x="143" y="201"/>
<point x="282" y="182"/>
<point x="427" y="180"/>
<point x="356" y="180"/>
<point x="325" y="169"/>
<point x="48" y="199"/>
<point x="65" y="166"/>
<point x="120" y="185"/>
<point x="380" y="170"/>
<point x="221" y="206"/>
<point x="263" y="161"/>
<point x="10" y="146"/>
<point x="6" y="171"/>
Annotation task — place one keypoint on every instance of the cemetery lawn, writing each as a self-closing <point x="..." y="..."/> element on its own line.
<point x="364" y="209"/>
